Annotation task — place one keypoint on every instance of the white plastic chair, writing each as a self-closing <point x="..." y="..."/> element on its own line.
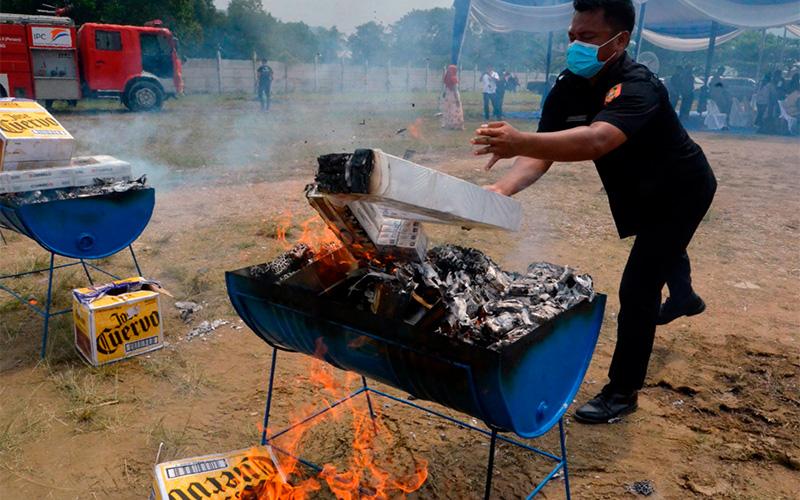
<point x="714" y="119"/>
<point x="790" y="120"/>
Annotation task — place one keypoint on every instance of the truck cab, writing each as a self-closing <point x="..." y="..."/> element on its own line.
<point x="137" y="64"/>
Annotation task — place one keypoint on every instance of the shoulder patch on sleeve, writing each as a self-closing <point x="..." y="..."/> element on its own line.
<point x="613" y="93"/>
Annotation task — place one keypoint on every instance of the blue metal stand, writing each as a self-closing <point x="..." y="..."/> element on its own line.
<point x="46" y="313"/>
<point x="493" y="434"/>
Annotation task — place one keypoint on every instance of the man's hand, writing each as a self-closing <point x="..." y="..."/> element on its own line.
<point x="500" y="139"/>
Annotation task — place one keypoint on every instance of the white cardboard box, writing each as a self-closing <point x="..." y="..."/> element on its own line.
<point x="406" y="190"/>
<point x="82" y="172"/>
<point x="30" y="137"/>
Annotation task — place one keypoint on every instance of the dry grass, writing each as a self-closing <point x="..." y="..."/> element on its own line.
<point x="88" y="392"/>
<point x="175" y="441"/>
<point x="187" y="378"/>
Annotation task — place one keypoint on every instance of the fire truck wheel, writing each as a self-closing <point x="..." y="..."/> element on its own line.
<point x="144" y="96"/>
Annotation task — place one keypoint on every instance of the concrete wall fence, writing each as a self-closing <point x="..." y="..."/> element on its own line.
<point x="234" y="76"/>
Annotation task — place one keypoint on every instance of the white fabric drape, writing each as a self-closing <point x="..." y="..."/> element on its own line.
<point x="747" y="15"/>
<point x="503" y="17"/>
<point x="685" y="44"/>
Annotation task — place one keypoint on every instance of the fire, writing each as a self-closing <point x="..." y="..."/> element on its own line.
<point x="364" y="477"/>
<point x="314" y="233"/>
<point x="415" y="129"/>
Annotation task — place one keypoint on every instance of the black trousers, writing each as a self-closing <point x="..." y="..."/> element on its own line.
<point x="489" y="98"/>
<point x="264" y="96"/>
<point x="658" y="257"/>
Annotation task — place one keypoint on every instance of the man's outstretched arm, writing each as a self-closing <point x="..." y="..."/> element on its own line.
<point x="501" y="140"/>
<point x="523" y="173"/>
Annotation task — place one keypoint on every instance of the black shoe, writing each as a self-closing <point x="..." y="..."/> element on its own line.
<point x="672" y="310"/>
<point x="606" y="406"/>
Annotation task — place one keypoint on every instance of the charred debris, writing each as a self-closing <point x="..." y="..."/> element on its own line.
<point x="457" y="292"/>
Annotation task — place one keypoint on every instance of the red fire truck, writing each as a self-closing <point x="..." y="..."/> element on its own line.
<point x="48" y="59"/>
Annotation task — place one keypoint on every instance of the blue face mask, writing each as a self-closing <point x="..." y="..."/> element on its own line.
<point x="582" y="58"/>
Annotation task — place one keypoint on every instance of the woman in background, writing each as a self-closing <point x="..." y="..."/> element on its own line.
<point x="452" y="113"/>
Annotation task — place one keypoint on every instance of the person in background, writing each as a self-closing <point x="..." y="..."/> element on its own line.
<point x="489" y="82"/>
<point x="716" y="77"/>
<point x="452" y="112"/>
<point x="779" y="93"/>
<point x="674" y="86"/>
<point x="719" y="93"/>
<point x="686" y="89"/>
<point x="512" y="82"/>
<point x="762" y="99"/>
<point x="264" y="84"/>
<point x="500" y="96"/>
<point x="792" y="102"/>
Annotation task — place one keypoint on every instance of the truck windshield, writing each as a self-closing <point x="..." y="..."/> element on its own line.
<point x="156" y="55"/>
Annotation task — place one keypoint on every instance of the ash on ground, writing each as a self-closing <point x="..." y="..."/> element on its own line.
<point x="457" y="292"/>
<point x="99" y="188"/>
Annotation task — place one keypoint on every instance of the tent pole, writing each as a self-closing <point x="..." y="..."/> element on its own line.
<point x="783" y="46"/>
<point x="547" y="62"/>
<point x="640" y="29"/>
<point x="712" y="43"/>
<point x="761" y="54"/>
<point x="462" y="8"/>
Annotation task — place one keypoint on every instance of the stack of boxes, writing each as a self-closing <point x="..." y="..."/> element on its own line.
<point x="36" y="153"/>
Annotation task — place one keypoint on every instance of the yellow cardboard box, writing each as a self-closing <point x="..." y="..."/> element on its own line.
<point x="237" y="474"/>
<point x="117" y="325"/>
<point x="31" y="138"/>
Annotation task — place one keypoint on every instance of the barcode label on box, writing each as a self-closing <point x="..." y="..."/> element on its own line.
<point x="139" y="344"/>
<point x="196" y="468"/>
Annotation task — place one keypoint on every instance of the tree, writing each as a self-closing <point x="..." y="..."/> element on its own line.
<point x="423" y="35"/>
<point x="330" y="43"/>
<point x="369" y="43"/>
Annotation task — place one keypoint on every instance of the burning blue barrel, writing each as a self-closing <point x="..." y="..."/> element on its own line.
<point x="524" y="387"/>
<point x="91" y="227"/>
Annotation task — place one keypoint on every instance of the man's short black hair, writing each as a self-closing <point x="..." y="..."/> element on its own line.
<point x="619" y="14"/>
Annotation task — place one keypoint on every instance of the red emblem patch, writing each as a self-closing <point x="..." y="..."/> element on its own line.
<point x="615" y="92"/>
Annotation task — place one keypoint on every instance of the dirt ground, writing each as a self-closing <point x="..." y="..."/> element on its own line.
<point x="719" y="417"/>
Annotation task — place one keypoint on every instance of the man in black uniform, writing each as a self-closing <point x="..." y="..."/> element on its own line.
<point x="607" y="108"/>
<point x="264" y="84"/>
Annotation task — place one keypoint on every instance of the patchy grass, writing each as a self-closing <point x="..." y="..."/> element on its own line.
<point x="186" y="378"/>
<point x="88" y="391"/>
<point x="175" y="441"/>
<point x="25" y="423"/>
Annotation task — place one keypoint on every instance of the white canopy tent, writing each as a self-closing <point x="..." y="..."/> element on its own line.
<point x="680" y="25"/>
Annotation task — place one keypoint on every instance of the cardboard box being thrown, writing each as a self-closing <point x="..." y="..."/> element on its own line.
<point x="375" y="203"/>
<point x="118" y="320"/>
<point x="30" y="138"/>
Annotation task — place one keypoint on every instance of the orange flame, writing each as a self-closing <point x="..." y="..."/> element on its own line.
<point x="314" y="233"/>
<point x="364" y="477"/>
<point x="415" y="129"/>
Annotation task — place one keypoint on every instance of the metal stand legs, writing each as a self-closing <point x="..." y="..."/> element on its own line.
<point x="46" y="312"/>
<point x="561" y="461"/>
<point x="490" y="467"/>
